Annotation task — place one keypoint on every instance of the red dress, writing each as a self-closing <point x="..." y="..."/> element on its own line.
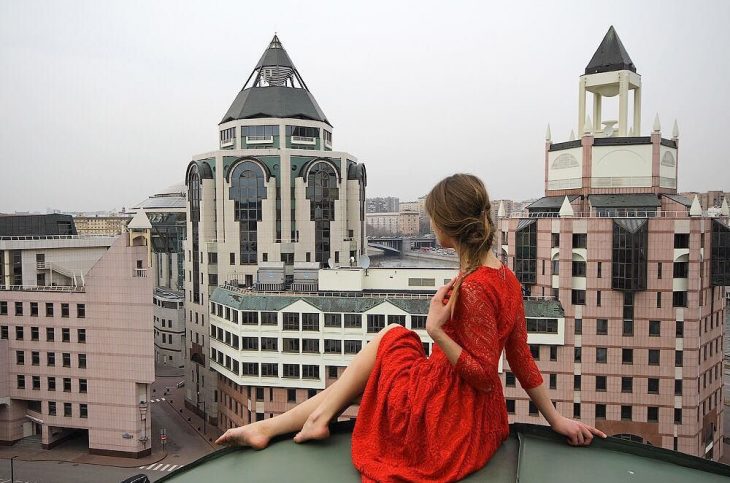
<point x="425" y="419"/>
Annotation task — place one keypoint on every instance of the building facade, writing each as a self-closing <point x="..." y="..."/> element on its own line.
<point x="267" y="209"/>
<point x="76" y="339"/>
<point x="388" y="204"/>
<point x="101" y="225"/>
<point x="638" y="269"/>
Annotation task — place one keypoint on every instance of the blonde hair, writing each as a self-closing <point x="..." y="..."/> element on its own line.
<point x="459" y="206"/>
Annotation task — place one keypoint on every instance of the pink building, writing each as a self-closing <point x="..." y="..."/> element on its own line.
<point x="638" y="269"/>
<point x="76" y="336"/>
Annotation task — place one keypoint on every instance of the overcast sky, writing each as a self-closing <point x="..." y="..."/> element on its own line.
<point x="104" y="103"/>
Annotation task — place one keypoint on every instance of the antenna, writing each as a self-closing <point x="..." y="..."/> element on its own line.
<point x="364" y="262"/>
<point x="331" y="262"/>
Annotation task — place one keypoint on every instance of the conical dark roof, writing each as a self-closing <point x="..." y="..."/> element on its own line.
<point x="275" y="89"/>
<point x="610" y="55"/>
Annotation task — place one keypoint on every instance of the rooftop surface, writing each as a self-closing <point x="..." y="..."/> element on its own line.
<point x="531" y="454"/>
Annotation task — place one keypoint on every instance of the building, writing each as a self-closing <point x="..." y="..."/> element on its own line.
<point x="507" y="206"/>
<point x="164" y="213"/>
<point x="419" y="206"/>
<point x="638" y="269"/>
<point x="75" y="335"/>
<point x="101" y="225"/>
<point x="708" y="199"/>
<point x="267" y="209"/>
<point x="387" y="204"/>
<point x="272" y="350"/>
<point x="404" y="223"/>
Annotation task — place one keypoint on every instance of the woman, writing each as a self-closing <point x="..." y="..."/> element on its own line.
<point x="442" y="417"/>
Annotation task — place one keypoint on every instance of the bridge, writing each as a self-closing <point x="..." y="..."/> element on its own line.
<point x="393" y="245"/>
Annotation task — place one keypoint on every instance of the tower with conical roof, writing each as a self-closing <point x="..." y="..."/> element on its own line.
<point x="267" y="209"/>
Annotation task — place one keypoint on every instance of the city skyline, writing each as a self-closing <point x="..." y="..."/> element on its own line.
<point x="81" y="70"/>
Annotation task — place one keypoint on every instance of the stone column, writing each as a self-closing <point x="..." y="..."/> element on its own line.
<point x="623" y="104"/>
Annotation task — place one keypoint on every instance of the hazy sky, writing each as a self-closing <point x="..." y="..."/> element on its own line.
<point x="103" y="103"/>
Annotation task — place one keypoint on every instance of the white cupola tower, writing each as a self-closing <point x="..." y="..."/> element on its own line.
<point x="611" y="73"/>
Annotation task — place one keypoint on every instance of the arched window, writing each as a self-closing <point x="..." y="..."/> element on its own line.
<point x="247" y="190"/>
<point x="322" y="191"/>
<point x="194" y="199"/>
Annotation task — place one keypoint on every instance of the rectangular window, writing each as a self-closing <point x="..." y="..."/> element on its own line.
<point x="578" y="326"/>
<point x="653" y="357"/>
<point x="578" y="297"/>
<point x="376" y="322"/>
<point x="679" y="299"/>
<point x="269" y="369"/>
<point x="598" y="298"/>
<point x="652" y="385"/>
<point x="310" y="346"/>
<point x="418" y="321"/>
<point x="510" y="406"/>
<point x="599" y="269"/>
<point x="64" y="311"/>
<point x="332" y="346"/>
<point x="654" y="328"/>
<point x="50" y="334"/>
<point x="678" y="358"/>
<point x="66" y="384"/>
<point x="4" y="332"/>
<point x="51" y="358"/>
<point x="310" y="322"/>
<point x="576" y="410"/>
<point x="49" y="309"/>
<point x="291" y="371"/>
<point x="577" y="354"/>
<point x="269" y="344"/>
<point x="553" y="381"/>
<point x="291" y="321"/>
<point x="291" y="345"/>
<point x="252" y="318"/>
<point x="65" y="335"/>
<point x="21" y="381"/>
<point x="602" y="327"/>
<point x="580" y="240"/>
<point x="628" y="328"/>
<point x="66" y="357"/>
<point x="291" y="395"/>
<point x="600" y="411"/>
<point x="36" y="383"/>
<point x="601" y="355"/>
<point x="532" y="409"/>
<point x="553" y="353"/>
<point x="681" y="270"/>
<point x="310" y="372"/>
<point x="251" y="343"/>
<point x="677" y="415"/>
<point x="679" y="330"/>
<point x="627" y="356"/>
<point x="18" y="308"/>
<point x="659" y="270"/>
<point x="601" y="383"/>
<point x="677" y="387"/>
<point x="35" y="358"/>
<point x="51" y="383"/>
<point x="626" y="413"/>
<point x="579" y="269"/>
<point x="34" y="333"/>
<point x="83" y="411"/>
<point x="34" y="309"/>
<point x="19" y="332"/>
<point x="83" y="386"/>
<point x="82" y="361"/>
<point x="535" y="351"/>
<point x="652" y="414"/>
<point x="554" y="240"/>
<point x="509" y="379"/>
<point x="81" y="336"/>
<point x="333" y="320"/>
<point x="232" y="258"/>
<point x="397" y="319"/>
<point x="269" y="318"/>
<point x="20" y="358"/>
<point x="627" y="384"/>
<point x="577" y="382"/>
<point x="352" y="346"/>
<point x="681" y="240"/>
<point x="81" y="311"/>
<point x="51" y="408"/>
<point x="250" y="369"/>
<point x="67" y="410"/>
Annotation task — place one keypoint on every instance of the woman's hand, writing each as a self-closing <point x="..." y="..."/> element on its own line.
<point x="577" y="433"/>
<point x="441" y="309"/>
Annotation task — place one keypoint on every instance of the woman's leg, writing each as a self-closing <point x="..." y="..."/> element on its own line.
<point x="350" y="385"/>
<point x="343" y="391"/>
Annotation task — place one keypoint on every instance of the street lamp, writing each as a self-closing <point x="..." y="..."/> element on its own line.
<point x="12" y="473"/>
<point x="204" y="415"/>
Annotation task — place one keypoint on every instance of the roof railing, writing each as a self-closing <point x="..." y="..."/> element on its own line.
<point x="614" y="213"/>
<point x="330" y="293"/>
<point x="43" y="288"/>
<point x="55" y="237"/>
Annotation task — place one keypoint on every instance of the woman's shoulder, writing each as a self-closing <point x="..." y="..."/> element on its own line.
<point x="496" y="281"/>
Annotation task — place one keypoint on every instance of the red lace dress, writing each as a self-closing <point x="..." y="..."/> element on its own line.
<point x="425" y="419"/>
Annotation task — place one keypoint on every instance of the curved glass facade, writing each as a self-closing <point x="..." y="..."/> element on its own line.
<point x="322" y="191"/>
<point x="247" y="190"/>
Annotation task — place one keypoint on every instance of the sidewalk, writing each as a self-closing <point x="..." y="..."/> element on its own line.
<point x="176" y="398"/>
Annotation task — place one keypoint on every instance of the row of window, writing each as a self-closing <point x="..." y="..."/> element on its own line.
<point x="265" y="369"/>
<point x="35" y="359"/>
<point x="578" y="297"/>
<point x="310" y="321"/>
<point x="50" y="334"/>
<point x="68" y="410"/>
<point x="166" y="338"/>
<point x="580" y="240"/>
<point x="627" y="383"/>
<point x="627" y="356"/>
<point x="35" y="383"/>
<point x="579" y="268"/>
<point x="627" y="412"/>
<point x="49" y="306"/>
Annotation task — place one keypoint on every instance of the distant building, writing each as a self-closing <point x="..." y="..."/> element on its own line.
<point x="101" y="225"/>
<point x="638" y="269"/>
<point x="382" y="205"/>
<point x="508" y="206"/>
<point x="405" y="223"/>
<point x="708" y="199"/>
<point x="269" y="208"/>
<point x="76" y="349"/>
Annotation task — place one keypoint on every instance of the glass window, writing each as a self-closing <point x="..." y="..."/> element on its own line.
<point x="626" y="413"/>
<point x="653" y="357"/>
<point x="602" y="327"/>
<point x="352" y="346"/>
<point x="627" y="356"/>
<point x="578" y="326"/>
<point x="310" y="345"/>
<point x="333" y="320"/>
<point x="291" y="321"/>
<point x="627" y="384"/>
<point x="269" y="318"/>
<point x="576" y="382"/>
<point x="681" y="240"/>
<point x="628" y="330"/>
<point x="49" y="309"/>
<point x="654" y="328"/>
<point x="600" y="411"/>
<point x="82" y="361"/>
<point x="310" y="322"/>
<point x="652" y="385"/>
<point x="66" y="335"/>
<point x="600" y="383"/>
<point x="580" y="240"/>
<point x="509" y="379"/>
<point x="652" y="414"/>
<point x="601" y="355"/>
<point x="332" y="346"/>
<point x="291" y="371"/>
<point x="578" y="297"/>
<point x="269" y="369"/>
<point x="376" y="322"/>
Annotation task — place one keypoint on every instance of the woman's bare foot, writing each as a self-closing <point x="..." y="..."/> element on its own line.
<point x="253" y="435"/>
<point x="314" y="428"/>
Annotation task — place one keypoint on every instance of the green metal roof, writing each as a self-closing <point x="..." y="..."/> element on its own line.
<point x="610" y="56"/>
<point x="635" y="200"/>
<point x="531" y="454"/>
<point x="534" y="308"/>
<point x="551" y="202"/>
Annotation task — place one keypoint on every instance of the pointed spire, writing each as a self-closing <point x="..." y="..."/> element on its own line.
<point x="657" y="125"/>
<point x="548" y="135"/>
<point x="500" y="211"/>
<point x="588" y="128"/>
<point x="696" y="208"/>
<point x="675" y="130"/>
<point x="610" y="55"/>
<point x="572" y="135"/>
<point x="566" y="209"/>
<point x="725" y="209"/>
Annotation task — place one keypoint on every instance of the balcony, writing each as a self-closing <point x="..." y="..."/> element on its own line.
<point x="43" y="288"/>
<point x="259" y="139"/>
<point x="228" y="143"/>
<point x="303" y="140"/>
<point x="139" y="273"/>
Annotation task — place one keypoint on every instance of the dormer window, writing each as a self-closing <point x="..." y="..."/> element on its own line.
<point x="228" y="138"/>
